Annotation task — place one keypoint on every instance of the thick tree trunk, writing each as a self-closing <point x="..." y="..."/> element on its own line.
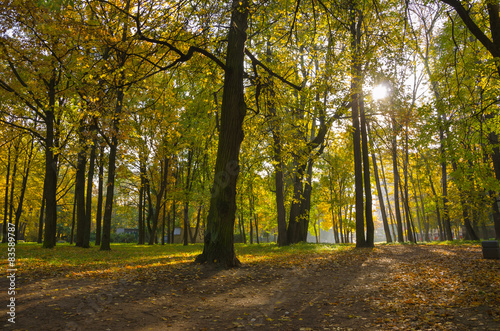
<point x="293" y="230"/>
<point x="49" y="240"/>
<point x="219" y="241"/>
<point x="356" y="132"/>
<point x="305" y="205"/>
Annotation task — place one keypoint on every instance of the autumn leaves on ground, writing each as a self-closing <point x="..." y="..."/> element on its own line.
<point x="302" y="287"/>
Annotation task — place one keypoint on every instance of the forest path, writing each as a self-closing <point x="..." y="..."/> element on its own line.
<point x="398" y="287"/>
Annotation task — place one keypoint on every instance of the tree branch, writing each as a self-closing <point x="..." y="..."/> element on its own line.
<point x="263" y="66"/>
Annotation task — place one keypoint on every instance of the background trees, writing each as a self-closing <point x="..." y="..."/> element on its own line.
<point x="143" y="95"/>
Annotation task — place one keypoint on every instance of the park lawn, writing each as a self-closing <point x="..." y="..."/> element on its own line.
<point x="445" y="286"/>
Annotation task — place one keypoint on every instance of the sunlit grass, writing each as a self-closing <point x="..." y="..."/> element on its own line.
<point x="70" y="261"/>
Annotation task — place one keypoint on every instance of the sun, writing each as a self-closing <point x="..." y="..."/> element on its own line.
<point x="379" y="92"/>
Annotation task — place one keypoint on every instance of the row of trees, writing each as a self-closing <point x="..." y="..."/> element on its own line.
<point x="250" y="116"/>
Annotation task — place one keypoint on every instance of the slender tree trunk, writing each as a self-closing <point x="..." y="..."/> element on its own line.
<point x="100" y="186"/>
<point x="370" y="227"/>
<point x="6" y="200"/>
<point x="391" y="215"/>
<point x="13" y="185"/>
<point x="159" y="198"/>
<point x="197" y="227"/>
<point x="187" y="189"/>
<point x="41" y="219"/>
<point x="219" y="241"/>
<point x="73" y="218"/>
<point x="169" y="231"/>
<point x="140" y="207"/>
<point x="444" y="182"/>
<point x="495" y="156"/>
<point x="387" y="231"/>
<point x="406" y="196"/>
<point x="110" y="186"/>
<point x="80" y="188"/>
<point x="174" y="214"/>
<point x="278" y="161"/>
<point x="396" y="181"/>
<point x="24" y="185"/>
<point x="88" y="203"/>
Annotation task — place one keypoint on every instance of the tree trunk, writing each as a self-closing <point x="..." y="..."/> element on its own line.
<point x="49" y="239"/>
<point x="444" y="182"/>
<point x="73" y="218"/>
<point x="385" y="223"/>
<point x="98" y="217"/>
<point x="80" y="189"/>
<point x="140" y="207"/>
<point x="24" y="185"/>
<point x="159" y="197"/>
<point x="6" y="200"/>
<point x="370" y="227"/>
<point x="110" y="186"/>
<point x="406" y="196"/>
<point x="396" y="181"/>
<point x="41" y="219"/>
<point x="495" y="156"/>
<point x="219" y="241"/>
<point x="13" y="185"/>
<point x="197" y="227"/>
<point x="293" y="230"/>
<point x="356" y="133"/>
<point x="88" y="203"/>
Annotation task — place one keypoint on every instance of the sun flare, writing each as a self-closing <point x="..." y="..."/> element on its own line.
<point x="379" y="92"/>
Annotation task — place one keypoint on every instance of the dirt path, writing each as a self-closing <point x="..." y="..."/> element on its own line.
<point x="389" y="288"/>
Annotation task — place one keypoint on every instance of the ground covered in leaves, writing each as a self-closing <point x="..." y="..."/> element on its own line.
<point x="303" y="287"/>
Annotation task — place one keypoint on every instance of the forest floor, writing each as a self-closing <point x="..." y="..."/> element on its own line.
<point x="306" y="287"/>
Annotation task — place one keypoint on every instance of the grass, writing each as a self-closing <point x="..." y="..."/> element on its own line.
<point x="34" y="261"/>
